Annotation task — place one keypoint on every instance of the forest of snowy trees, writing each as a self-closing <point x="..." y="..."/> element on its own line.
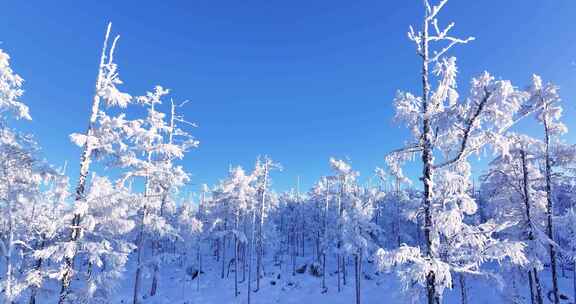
<point x="121" y="232"/>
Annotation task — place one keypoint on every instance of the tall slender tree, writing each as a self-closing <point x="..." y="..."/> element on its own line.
<point x="444" y="125"/>
<point x="106" y="90"/>
<point x="511" y="188"/>
<point x="545" y="98"/>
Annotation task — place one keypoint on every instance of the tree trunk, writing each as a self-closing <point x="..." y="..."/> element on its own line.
<point x="243" y="263"/>
<point x="427" y="161"/>
<point x="397" y="215"/>
<point x="34" y="290"/>
<point x="340" y="213"/>
<point x="154" y="285"/>
<point x="224" y="246"/>
<point x="539" y="298"/>
<point x="260" y="244"/>
<point x="250" y="249"/>
<point x="324" y="273"/>
<point x="358" y="272"/>
<point x="141" y="236"/>
<point x="339" y="271"/>
<point x="344" y="262"/>
<point x="574" y="279"/>
<point x="293" y="250"/>
<point x="526" y="189"/>
<point x="84" y="169"/>
<point x="532" y="297"/>
<point x="8" y="254"/>
<point x="318" y="254"/>
<point x="463" y="294"/>
<point x="235" y="266"/>
<point x="223" y="256"/>
<point x="236" y="246"/>
<point x="156" y="268"/>
<point x="156" y="243"/>
<point x="199" y="262"/>
<point x="139" y="249"/>
<point x="325" y="234"/>
<point x="303" y="236"/>
<point x="259" y="250"/>
<point x="550" y="213"/>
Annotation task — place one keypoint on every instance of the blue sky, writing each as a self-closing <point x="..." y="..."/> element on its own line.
<point x="298" y="80"/>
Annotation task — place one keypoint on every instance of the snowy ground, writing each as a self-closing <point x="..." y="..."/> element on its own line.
<point x="299" y="289"/>
<point x="279" y="286"/>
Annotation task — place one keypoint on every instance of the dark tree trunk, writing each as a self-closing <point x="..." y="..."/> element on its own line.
<point x="463" y="293"/>
<point x="339" y="271"/>
<point x="358" y="274"/>
<point x="199" y="262"/>
<point x="539" y="299"/>
<point x="344" y="260"/>
<point x="223" y="256"/>
<point x="235" y="266"/>
<point x="154" y="285"/>
<point x="324" y="273"/>
<point x="574" y="278"/>
<point x="530" y="281"/>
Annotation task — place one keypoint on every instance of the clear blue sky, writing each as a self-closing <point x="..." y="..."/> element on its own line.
<point x="298" y="80"/>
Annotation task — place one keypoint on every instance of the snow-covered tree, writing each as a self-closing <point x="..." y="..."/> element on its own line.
<point x="513" y="191"/>
<point x="102" y="248"/>
<point x="544" y="100"/>
<point x="344" y="180"/>
<point x="235" y="197"/>
<point x="193" y="232"/>
<point x="567" y="233"/>
<point x="91" y="144"/>
<point x="259" y="215"/>
<point x="47" y="220"/>
<point x="396" y="209"/>
<point x="358" y="231"/>
<point x="21" y="177"/>
<point x="319" y="201"/>
<point x="150" y="156"/>
<point x="446" y="130"/>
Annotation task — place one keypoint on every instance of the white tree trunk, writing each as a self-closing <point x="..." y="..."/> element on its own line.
<point x="260" y="248"/>
<point x="84" y="169"/>
<point x="250" y="249"/>
<point x="38" y="266"/>
<point x="324" y="235"/>
<point x="139" y="265"/>
<point x="142" y="235"/>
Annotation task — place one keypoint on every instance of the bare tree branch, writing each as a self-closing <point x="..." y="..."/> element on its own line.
<point x="466" y="136"/>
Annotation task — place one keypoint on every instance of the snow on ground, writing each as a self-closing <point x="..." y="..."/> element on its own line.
<point x="279" y="286"/>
